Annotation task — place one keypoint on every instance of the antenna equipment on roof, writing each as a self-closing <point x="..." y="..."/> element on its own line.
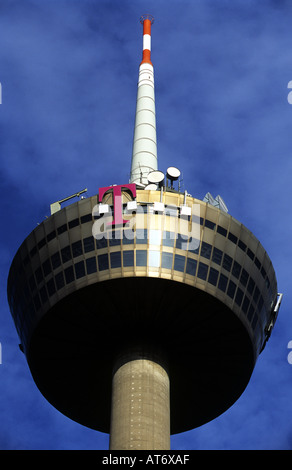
<point x="56" y="206"/>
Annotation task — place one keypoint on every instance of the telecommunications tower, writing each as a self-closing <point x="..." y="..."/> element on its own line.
<point x="142" y="310"/>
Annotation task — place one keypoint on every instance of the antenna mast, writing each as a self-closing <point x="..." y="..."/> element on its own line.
<point x="144" y="156"/>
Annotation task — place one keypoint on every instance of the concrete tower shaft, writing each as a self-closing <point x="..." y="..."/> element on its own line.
<point x="140" y="416"/>
<point x="144" y="155"/>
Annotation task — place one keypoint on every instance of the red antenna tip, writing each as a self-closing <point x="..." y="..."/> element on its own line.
<point x="147" y="17"/>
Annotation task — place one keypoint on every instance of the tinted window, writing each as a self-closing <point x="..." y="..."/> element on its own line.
<point x="101" y="242"/>
<point x="213" y="276"/>
<point x="128" y="237"/>
<point x="62" y="229"/>
<point x="166" y="261"/>
<point x="244" y="277"/>
<point x="221" y="230"/>
<point x="51" y="236"/>
<point x="231" y="289"/>
<point x="250" y="254"/>
<point x="86" y="218"/>
<point x="179" y="263"/>
<point x="202" y="271"/>
<point x="210" y="224"/>
<point x="232" y="237"/>
<point x="141" y="236"/>
<point x="79" y="269"/>
<point x="59" y="278"/>
<point x="227" y="262"/>
<point x="73" y="223"/>
<point x="257" y="263"/>
<point x="236" y="269"/>
<point x="115" y="238"/>
<point x="103" y="262"/>
<point x="91" y="265"/>
<point x="256" y="294"/>
<point x="250" y="285"/>
<point x="222" y="282"/>
<point x="206" y="250"/>
<point x="141" y="258"/>
<point x="76" y="249"/>
<point x="69" y="274"/>
<point x="47" y="267"/>
<point x="217" y="256"/>
<point x="128" y="258"/>
<point x="116" y="259"/>
<point x="168" y="238"/>
<point x="245" y="304"/>
<point x="239" y="296"/>
<point x="194" y="245"/>
<point x="241" y="245"/>
<point x="66" y="254"/>
<point x="191" y="266"/>
<point x="88" y="244"/>
<point x="181" y="241"/>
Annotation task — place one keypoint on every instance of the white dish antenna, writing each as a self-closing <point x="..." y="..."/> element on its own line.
<point x="173" y="173"/>
<point x="151" y="186"/>
<point x="155" y="177"/>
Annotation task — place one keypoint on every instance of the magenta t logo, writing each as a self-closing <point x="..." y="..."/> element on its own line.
<point x="118" y="206"/>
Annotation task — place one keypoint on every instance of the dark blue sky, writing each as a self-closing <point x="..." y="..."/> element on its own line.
<point x="69" y="73"/>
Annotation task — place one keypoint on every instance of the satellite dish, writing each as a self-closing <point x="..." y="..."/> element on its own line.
<point x="173" y="173"/>
<point x="151" y="186"/>
<point x="155" y="177"/>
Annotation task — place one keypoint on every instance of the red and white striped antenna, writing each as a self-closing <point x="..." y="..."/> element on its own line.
<point x="146" y="21"/>
<point x="144" y="155"/>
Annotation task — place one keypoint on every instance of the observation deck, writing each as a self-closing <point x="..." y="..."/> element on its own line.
<point x="181" y="274"/>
